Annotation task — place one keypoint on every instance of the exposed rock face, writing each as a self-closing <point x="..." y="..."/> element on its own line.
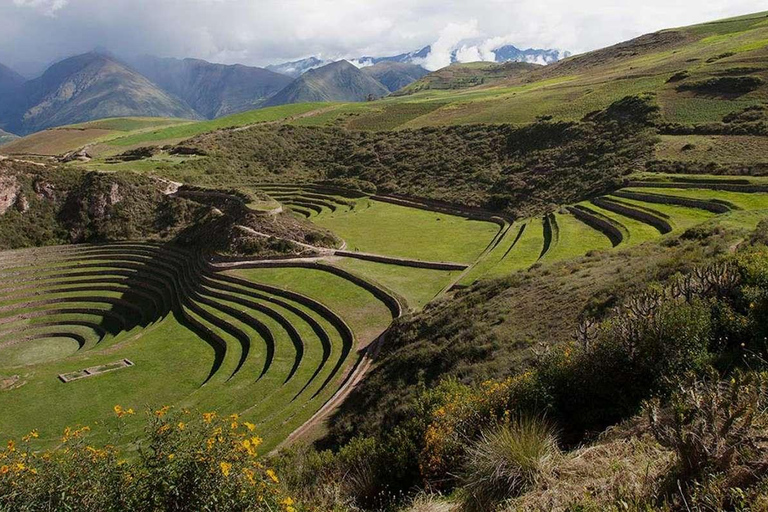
<point x="9" y="191"/>
<point x="81" y="156"/>
<point x="22" y="203"/>
<point x="101" y="203"/>
<point x="44" y="190"/>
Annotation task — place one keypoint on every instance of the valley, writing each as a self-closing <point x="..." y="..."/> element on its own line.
<point x="393" y="277"/>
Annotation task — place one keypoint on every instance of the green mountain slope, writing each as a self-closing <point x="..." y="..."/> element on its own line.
<point x="340" y="81"/>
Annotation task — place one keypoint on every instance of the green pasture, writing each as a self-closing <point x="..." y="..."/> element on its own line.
<point x="393" y="230"/>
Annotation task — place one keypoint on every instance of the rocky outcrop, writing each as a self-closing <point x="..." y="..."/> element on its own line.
<point x="9" y="192"/>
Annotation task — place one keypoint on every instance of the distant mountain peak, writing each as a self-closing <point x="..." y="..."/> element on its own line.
<point x="337" y="81"/>
<point x="86" y="87"/>
<point x="212" y="90"/>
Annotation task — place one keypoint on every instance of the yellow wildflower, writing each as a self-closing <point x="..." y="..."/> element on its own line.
<point x="11" y="446"/>
<point x="30" y="436"/>
<point x="208" y="417"/>
<point x="162" y="412"/>
<point x="171" y="456"/>
<point x="250" y="426"/>
<point x="272" y="476"/>
<point x="181" y="425"/>
<point x="4" y="470"/>
<point x="226" y="467"/>
<point x="120" y="411"/>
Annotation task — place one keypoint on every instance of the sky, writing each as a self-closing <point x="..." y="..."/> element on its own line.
<point x="261" y="32"/>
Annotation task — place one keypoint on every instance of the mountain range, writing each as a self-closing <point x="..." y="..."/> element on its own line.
<point x="505" y="53"/>
<point x="212" y="90"/>
<point x="99" y="85"/>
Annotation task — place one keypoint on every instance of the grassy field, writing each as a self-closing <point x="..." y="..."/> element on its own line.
<point x="393" y="230"/>
<point x="186" y="131"/>
<point x="418" y="286"/>
<point x="636" y="232"/>
<point x="746" y="201"/>
<point x="713" y="148"/>
<point x="366" y="315"/>
<point x="573" y="238"/>
<point x="680" y="217"/>
<point x="253" y="350"/>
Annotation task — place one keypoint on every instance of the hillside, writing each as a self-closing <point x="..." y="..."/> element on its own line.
<point x="462" y="76"/>
<point x="87" y="87"/>
<point x="212" y="90"/>
<point x="6" y="137"/>
<point x="339" y="81"/>
<point x="394" y="75"/>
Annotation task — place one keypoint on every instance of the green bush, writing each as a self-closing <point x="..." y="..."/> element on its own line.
<point x="183" y="462"/>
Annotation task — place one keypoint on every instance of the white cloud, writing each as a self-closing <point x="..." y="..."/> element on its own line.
<point x="260" y="32"/>
<point x="450" y="37"/>
<point x="47" y="7"/>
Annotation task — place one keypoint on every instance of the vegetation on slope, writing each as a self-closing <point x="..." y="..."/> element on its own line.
<point x="694" y="309"/>
<point x="49" y="206"/>
<point x="517" y="170"/>
<point x="184" y="461"/>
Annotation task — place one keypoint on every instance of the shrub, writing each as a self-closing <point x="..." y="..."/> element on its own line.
<point x="184" y="462"/>
<point x="723" y="85"/>
<point x="507" y="460"/>
<point x="712" y="425"/>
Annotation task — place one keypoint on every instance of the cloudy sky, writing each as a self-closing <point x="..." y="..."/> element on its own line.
<point x="260" y="32"/>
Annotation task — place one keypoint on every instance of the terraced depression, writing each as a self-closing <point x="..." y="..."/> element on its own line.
<point x="396" y="276"/>
<point x="196" y="336"/>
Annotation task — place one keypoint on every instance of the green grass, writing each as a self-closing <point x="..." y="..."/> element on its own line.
<point x="680" y="217"/>
<point x="713" y="148"/>
<point x="393" y="230"/>
<point x="418" y="286"/>
<point x="38" y="351"/>
<point x="129" y="124"/>
<point x="190" y="130"/>
<point x="574" y="239"/>
<point x="172" y="361"/>
<point x="637" y="232"/>
<point x="507" y="258"/>
<point x="746" y="201"/>
<point x="162" y="375"/>
<point x="366" y="315"/>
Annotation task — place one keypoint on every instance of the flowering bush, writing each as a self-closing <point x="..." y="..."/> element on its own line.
<point x="184" y="461"/>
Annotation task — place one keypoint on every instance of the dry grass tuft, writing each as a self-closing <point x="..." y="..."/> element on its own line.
<point x="506" y="461"/>
<point x="612" y="473"/>
<point x="425" y="502"/>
